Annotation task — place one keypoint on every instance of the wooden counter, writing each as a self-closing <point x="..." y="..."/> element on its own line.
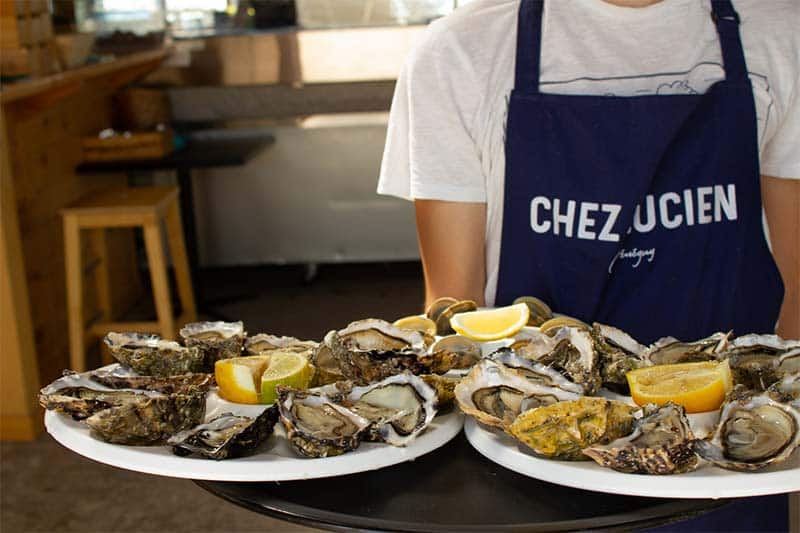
<point x="41" y="125"/>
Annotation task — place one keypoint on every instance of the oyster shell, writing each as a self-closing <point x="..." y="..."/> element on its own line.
<point x="264" y="343"/>
<point x="753" y="431"/>
<point x="757" y="366"/>
<point x="149" y="420"/>
<point x="149" y="355"/>
<point x="453" y="351"/>
<point x="326" y="368"/>
<point x="494" y="394"/>
<point x="534" y="346"/>
<point x="225" y="436"/>
<point x="442" y="318"/>
<point x="619" y="353"/>
<point x="535" y="372"/>
<point x="125" y="416"/>
<point x="562" y="430"/>
<point x="168" y="385"/>
<point x="575" y="356"/>
<point x="787" y="390"/>
<point x="318" y="427"/>
<point x="445" y="388"/>
<point x="539" y="312"/>
<point x="215" y="340"/>
<point x="669" y="350"/>
<point x="398" y="408"/>
<point x="661" y="443"/>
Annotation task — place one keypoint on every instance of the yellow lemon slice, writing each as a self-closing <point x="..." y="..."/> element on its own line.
<point x="698" y="387"/>
<point x="285" y="368"/>
<point x="237" y="377"/>
<point x="491" y="324"/>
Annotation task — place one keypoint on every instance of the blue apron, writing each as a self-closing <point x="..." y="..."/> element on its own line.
<point x="641" y="212"/>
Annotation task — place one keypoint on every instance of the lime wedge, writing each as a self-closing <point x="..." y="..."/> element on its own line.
<point x="285" y="368"/>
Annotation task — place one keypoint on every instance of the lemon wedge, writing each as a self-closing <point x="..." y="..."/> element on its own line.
<point x="237" y="377"/>
<point x="698" y="387"/>
<point x="491" y="324"/>
<point x="285" y="368"/>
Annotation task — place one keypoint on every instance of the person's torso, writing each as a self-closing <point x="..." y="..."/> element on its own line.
<point x="592" y="47"/>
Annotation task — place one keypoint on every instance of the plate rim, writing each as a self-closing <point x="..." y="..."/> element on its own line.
<point x="484" y="440"/>
<point x="77" y="438"/>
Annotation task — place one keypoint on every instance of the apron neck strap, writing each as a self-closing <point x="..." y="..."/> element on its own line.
<point x="727" y="21"/>
<point x="529" y="43"/>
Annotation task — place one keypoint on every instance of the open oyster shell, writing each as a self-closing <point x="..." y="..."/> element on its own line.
<point x="668" y="350"/>
<point x="226" y="436"/>
<point x="575" y="356"/>
<point x="398" y="407"/>
<point x="563" y="430"/>
<point x="494" y="394"/>
<point x="754" y="431"/>
<point x="264" y="343"/>
<point x="115" y="379"/>
<point x="215" y="340"/>
<point x="619" y="353"/>
<point x="661" y="443"/>
<point x="149" y="355"/>
<point x="318" y="427"/>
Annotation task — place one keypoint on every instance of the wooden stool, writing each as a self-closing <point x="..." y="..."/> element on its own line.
<point x="145" y="207"/>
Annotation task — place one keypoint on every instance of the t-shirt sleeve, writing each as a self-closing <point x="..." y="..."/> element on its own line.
<point x="781" y="157"/>
<point x="430" y="152"/>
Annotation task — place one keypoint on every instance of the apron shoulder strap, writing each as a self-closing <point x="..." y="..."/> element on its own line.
<point x="529" y="44"/>
<point x="727" y="22"/>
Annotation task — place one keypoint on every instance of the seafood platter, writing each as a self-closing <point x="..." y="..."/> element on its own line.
<point x="554" y="399"/>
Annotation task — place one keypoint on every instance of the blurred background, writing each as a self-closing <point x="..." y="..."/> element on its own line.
<point x="267" y="118"/>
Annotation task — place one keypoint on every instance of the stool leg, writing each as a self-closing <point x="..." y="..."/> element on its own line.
<point x="102" y="282"/>
<point x="177" y="248"/>
<point x="154" y="245"/>
<point x="72" y="257"/>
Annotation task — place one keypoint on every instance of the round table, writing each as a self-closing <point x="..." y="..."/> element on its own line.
<point x="451" y="489"/>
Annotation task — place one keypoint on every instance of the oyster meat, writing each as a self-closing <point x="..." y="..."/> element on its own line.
<point x="225" y="436"/>
<point x="753" y="431"/>
<point x="661" y="443"/>
<point x="564" y="429"/>
<point x="149" y="355"/>
<point x="398" y="408"/>
<point x="318" y="427"/>
<point x="215" y="340"/>
<point x="495" y="394"/>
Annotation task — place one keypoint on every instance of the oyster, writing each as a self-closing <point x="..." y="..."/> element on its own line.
<point x="318" y="427"/>
<point x="661" y="443"/>
<point x="264" y="343"/>
<point x="370" y="350"/>
<point x="125" y="416"/>
<point x="453" y="351"/>
<point x="149" y="420"/>
<point x="539" y="312"/>
<point x="326" y="368"/>
<point x="757" y="366"/>
<point x="562" y="430"/>
<point x="576" y="357"/>
<point x="441" y="313"/>
<point x="398" y="408"/>
<point x="445" y="388"/>
<point x="669" y="350"/>
<point x="753" y="431"/>
<point x="168" y="385"/>
<point x="534" y="346"/>
<point x="618" y="354"/>
<point x="535" y="372"/>
<point x="215" y="340"/>
<point x="787" y="390"/>
<point x="494" y="394"/>
<point x="225" y="436"/>
<point x="150" y="355"/>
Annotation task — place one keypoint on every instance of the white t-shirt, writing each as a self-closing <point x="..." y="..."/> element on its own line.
<point x="446" y="130"/>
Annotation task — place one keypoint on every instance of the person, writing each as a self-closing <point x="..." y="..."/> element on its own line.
<point x="631" y="162"/>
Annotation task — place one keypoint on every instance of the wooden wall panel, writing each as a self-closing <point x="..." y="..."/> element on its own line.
<point x="47" y="148"/>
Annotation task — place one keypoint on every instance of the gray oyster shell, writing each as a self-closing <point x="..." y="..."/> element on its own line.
<point x="575" y="356"/>
<point x="125" y="416"/>
<point x="398" y="408"/>
<point x="754" y="431"/>
<point x="215" y="340"/>
<point x="452" y="351"/>
<point x="668" y="350"/>
<point x="757" y="366"/>
<point x="619" y="353"/>
<point x="318" y="427"/>
<point x="495" y="394"/>
<point x="149" y="420"/>
<point x="226" y="435"/>
<point x="264" y="343"/>
<point x="535" y="372"/>
<point x="149" y="355"/>
<point x="661" y="443"/>
<point x="167" y="385"/>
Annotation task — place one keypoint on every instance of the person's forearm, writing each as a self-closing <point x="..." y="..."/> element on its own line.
<point x="451" y="243"/>
<point x="782" y="207"/>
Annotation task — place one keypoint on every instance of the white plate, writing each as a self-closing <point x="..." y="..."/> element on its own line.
<point x="706" y="482"/>
<point x="276" y="461"/>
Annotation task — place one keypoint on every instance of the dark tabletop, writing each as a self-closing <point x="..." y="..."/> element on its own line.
<point x="451" y="489"/>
